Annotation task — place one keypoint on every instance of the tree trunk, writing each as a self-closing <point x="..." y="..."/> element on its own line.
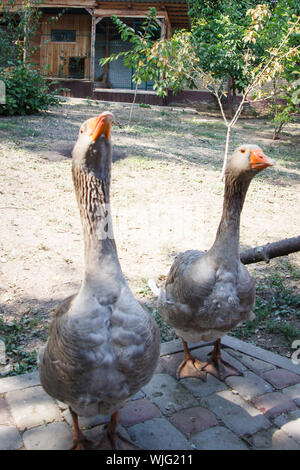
<point x="229" y="98"/>
<point x="277" y="131"/>
<point x="270" y="250"/>
<point x="233" y="101"/>
<point x="26" y="36"/>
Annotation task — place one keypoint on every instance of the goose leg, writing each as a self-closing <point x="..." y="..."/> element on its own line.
<point x="80" y="442"/>
<point x="217" y="367"/>
<point x="190" y="366"/>
<point x="112" y="439"/>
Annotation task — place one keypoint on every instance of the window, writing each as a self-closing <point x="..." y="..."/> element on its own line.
<point x="76" y="67"/>
<point x="63" y="35"/>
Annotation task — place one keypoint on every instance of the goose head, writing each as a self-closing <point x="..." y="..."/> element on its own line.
<point x="247" y="160"/>
<point x="92" y="151"/>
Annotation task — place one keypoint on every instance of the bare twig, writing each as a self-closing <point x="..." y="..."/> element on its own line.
<point x="136" y="85"/>
<point x="132" y="104"/>
<point x="221" y="108"/>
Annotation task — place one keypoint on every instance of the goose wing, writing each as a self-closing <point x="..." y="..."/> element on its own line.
<point x="191" y="278"/>
<point x="246" y="293"/>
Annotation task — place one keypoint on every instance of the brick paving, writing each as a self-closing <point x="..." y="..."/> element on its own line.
<point x="258" y="410"/>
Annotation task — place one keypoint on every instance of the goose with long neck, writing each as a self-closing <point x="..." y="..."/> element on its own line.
<point x="207" y="294"/>
<point x="102" y="345"/>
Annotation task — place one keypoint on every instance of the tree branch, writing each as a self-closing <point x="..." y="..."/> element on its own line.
<point x="220" y="106"/>
<point x="136" y="85"/>
<point x="270" y="250"/>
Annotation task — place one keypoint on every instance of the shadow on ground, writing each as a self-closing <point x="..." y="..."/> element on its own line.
<point x="154" y="135"/>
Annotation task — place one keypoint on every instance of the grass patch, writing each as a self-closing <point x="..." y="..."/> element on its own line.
<point x="137" y="129"/>
<point x="166" y="333"/>
<point x="208" y="124"/>
<point x="213" y="134"/>
<point x="18" y="130"/>
<point x="7" y="126"/>
<point x="28" y="132"/>
<point x="14" y="334"/>
<point x="277" y="307"/>
<point x="284" y="154"/>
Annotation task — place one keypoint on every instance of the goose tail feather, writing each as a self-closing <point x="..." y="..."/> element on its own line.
<point x="152" y="284"/>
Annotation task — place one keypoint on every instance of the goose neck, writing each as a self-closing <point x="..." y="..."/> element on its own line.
<point x="226" y="244"/>
<point x="93" y="200"/>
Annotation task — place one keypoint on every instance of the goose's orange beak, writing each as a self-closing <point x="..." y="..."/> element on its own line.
<point x="101" y="125"/>
<point x="259" y="161"/>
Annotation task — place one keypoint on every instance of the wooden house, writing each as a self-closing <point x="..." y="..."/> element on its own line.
<point x="74" y="34"/>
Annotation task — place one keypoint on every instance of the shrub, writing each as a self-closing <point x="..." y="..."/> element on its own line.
<point x="27" y="91"/>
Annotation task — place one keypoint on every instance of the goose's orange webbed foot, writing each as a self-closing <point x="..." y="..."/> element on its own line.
<point x="112" y="439"/>
<point x="217" y="367"/>
<point x="80" y="442"/>
<point x="190" y="366"/>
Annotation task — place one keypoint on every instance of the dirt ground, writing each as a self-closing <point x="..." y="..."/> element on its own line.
<point x="166" y="197"/>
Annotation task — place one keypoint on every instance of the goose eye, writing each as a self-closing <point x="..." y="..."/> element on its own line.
<point x="243" y="150"/>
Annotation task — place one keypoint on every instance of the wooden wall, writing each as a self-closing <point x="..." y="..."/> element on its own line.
<point x="56" y="54"/>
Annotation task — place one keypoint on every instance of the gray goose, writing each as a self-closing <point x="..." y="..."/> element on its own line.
<point x="102" y="345"/>
<point x="207" y="294"/>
